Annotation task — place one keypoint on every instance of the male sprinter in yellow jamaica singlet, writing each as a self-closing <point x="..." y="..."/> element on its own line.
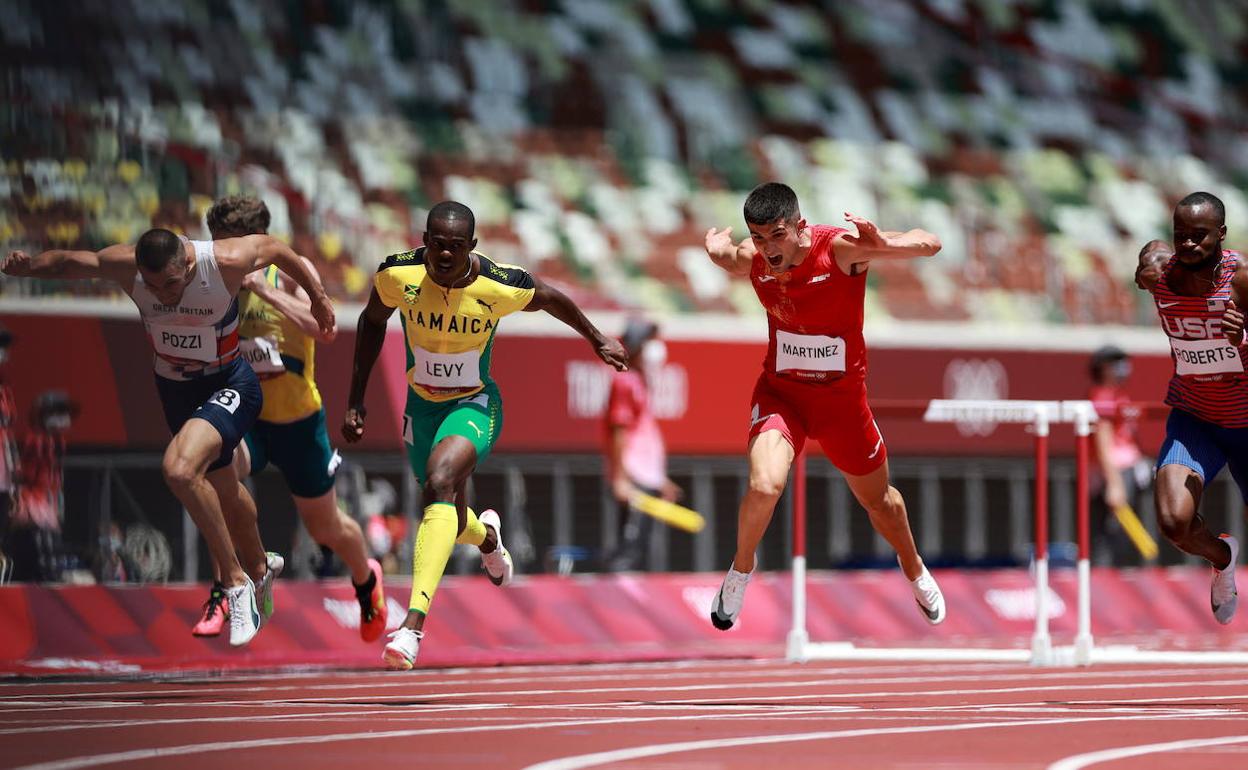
<point x="451" y="299"/>
<point x="279" y="338"/>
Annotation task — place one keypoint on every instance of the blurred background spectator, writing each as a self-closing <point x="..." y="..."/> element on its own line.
<point x="35" y="538"/>
<point x="636" y="457"/>
<point x="1124" y="472"/>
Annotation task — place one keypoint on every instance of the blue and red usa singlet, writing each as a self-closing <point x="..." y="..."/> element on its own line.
<point x="1209" y="379"/>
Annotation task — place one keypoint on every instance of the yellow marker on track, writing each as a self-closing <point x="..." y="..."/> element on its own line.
<point x="1134" y="528"/>
<point x="674" y="515"/>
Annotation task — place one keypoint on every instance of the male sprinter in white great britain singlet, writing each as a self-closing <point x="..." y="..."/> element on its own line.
<point x="1208" y="393"/>
<point x="186" y="294"/>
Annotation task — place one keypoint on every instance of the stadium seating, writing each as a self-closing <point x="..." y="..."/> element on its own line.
<point x="1043" y="140"/>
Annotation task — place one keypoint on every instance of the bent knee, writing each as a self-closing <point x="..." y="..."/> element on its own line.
<point x="179" y="472"/>
<point x="1172" y="523"/>
<point x="887" y="503"/>
<point x="766" y="487"/>
<point x="442" y="483"/>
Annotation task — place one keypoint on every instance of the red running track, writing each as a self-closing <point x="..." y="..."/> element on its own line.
<point x="735" y="714"/>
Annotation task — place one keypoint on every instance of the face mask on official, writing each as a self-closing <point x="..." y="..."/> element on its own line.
<point x="56" y="422"/>
<point x="653" y="354"/>
<point x="1120" y="369"/>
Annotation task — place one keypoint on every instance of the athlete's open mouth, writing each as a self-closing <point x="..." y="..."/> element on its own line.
<point x="775" y="260"/>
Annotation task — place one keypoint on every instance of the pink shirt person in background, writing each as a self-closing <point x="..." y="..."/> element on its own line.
<point x="1122" y="471"/>
<point x="636" y="456"/>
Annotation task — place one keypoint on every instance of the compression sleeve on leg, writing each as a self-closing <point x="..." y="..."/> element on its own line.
<point x="474" y="531"/>
<point x="435" y="539"/>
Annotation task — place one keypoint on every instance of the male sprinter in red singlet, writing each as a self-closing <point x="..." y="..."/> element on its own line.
<point x="812" y="281"/>
<point x="1196" y="294"/>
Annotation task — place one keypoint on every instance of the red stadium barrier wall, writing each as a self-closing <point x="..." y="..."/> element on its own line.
<point x="554" y="389"/>
<point x="596" y="618"/>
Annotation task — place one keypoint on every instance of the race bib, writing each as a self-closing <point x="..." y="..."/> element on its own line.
<point x="263" y="355"/>
<point x="446" y="370"/>
<point x="195" y="343"/>
<point x="809" y="352"/>
<point x="1204" y="357"/>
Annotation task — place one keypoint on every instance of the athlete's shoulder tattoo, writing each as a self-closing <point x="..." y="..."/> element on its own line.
<point x="403" y="259"/>
<point x="508" y="275"/>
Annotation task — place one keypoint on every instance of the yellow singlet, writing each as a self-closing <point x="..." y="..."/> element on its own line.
<point x="282" y="355"/>
<point x="450" y="332"/>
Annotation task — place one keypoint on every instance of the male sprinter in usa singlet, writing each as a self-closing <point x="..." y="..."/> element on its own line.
<point x="1198" y="293"/>
<point x="278" y="338"/>
<point x="451" y="299"/>
<point x="187" y="295"/>
<point x="812" y="280"/>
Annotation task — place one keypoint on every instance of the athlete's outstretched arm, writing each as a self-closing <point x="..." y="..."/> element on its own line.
<point x="256" y="252"/>
<point x="558" y="305"/>
<point x="291" y="301"/>
<point x="370" y="334"/>
<point x="114" y="263"/>
<point x="872" y="243"/>
<point x="1233" y="316"/>
<point x="735" y="258"/>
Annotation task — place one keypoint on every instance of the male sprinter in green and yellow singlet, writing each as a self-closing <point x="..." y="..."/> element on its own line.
<point x="279" y="341"/>
<point x="451" y="299"/>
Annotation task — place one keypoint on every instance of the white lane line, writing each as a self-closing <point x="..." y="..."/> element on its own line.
<point x="795" y="672"/>
<point x="790" y="696"/>
<point x="994" y="691"/>
<point x="481" y="680"/>
<point x="640" y="752"/>
<point x="75" y="763"/>
<point x="623" y="755"/>
<point x="761" y="712"/>
<point x="1109" y="755"/>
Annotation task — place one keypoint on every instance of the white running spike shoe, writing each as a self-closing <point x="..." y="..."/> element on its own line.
<point x="244" y="613"/>
<point x="275" y="564"/>
<point x="400" y="652"/>
<point x="1223" y="598"/>
<point x="929" y="598"/>
<point x="497" y="563"/>
<point x="730" y="599"/>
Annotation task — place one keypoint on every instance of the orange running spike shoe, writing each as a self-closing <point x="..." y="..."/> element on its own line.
<point x="373" y="606"/>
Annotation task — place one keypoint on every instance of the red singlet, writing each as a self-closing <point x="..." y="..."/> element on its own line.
<point x="814" y="380"/>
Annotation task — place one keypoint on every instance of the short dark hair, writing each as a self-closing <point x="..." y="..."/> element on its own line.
<point x="156" y="249"/>
<point x="1203" y="199"/>
<point x="237" y="215"/>
<point x="771" y="201"/>
<point x="451" y="211"/>
<point x="637" y="332"/>
<point x="1106" y="354"/>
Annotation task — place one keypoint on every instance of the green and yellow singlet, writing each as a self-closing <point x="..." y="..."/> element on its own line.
<point x="283" y="357"/>
<point x="450" y="332"/>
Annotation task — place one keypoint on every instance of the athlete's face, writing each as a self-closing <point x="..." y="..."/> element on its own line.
<point x="1198" y="233"/>
<point x="448" y="244"/>
<point x="780" y="242"/>
<point x="169" y="284"/>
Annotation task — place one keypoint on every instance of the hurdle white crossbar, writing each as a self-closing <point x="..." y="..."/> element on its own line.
<point x="1039" y="416"/>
